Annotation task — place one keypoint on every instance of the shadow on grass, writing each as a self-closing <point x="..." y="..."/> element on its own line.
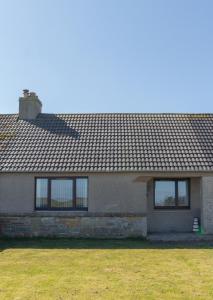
<point x="65" y="243"/>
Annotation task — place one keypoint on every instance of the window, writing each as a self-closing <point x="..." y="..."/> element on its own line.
<point x="61" y="193"/>
<point x="41" y="192"/>
<point x="171" y="193"/>
<point x="81" y="192"/>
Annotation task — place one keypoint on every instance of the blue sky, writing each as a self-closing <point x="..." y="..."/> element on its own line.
<point x="108" y="55"/>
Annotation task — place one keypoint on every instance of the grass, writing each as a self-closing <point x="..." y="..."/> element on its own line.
<point x="97" y="269"/>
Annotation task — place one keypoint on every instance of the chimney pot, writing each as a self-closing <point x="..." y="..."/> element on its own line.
<point x="26" y="93"/>
<point x="33" y="94"/>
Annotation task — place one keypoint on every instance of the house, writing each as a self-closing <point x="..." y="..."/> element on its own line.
<point x="104" y="175"/>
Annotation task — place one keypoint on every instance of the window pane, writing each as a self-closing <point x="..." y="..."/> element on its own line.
<point x="183" y="198"/>
<point x="61" y="193"/>
<point x="164" y="193"/>
<point x="81" y="192"/>
<point x="41" y="193"/>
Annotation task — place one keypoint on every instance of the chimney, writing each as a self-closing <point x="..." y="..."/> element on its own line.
<point x="29" y="106"/>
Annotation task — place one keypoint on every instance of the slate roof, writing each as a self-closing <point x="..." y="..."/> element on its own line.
<point x="106" y="142"/>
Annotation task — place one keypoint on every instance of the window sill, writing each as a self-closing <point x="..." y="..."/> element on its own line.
<point x="61" y="209"/>
<point x="61" y="213"/>
<point x="172" y="208"/>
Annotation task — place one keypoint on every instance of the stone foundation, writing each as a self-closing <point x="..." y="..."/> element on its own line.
<point x="76" y="227"/>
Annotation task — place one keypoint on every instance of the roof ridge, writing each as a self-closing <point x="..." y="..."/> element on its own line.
<point x="9" y="114"/>
<point x="126" y="113"/>
<point x="120" y="113"/>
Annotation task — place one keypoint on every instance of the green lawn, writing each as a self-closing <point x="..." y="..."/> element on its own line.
<point x="92" y="269"/>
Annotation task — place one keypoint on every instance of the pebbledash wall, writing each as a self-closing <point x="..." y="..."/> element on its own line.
<point x="119" y="205"/>
<point x="207" y="204"/>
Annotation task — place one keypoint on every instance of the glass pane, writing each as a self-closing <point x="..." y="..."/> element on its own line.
<point x="61" y="193"/>
<point x="164" y="193"/>
<point x="41" y="193"/>
<point x="183" y="198"/>
<point x="81" y="192"/>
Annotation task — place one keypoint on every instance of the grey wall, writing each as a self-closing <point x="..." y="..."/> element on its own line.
<point x="121" y="193"/>
<point x="16" y="193"/>
<point x="174" y="220"/>
<point x="108" y="193"/>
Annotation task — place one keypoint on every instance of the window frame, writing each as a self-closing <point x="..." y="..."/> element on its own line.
<point x="176" y="206"/>
<point x="49" y="180"/>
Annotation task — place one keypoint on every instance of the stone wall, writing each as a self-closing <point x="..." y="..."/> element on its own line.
<point x="85" y="227"/>
<point x="207" y="204"/>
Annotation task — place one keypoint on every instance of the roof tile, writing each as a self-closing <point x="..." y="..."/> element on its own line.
<point x="106" y="142"/>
